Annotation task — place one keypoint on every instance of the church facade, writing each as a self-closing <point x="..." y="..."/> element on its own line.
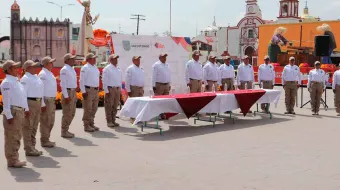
<point x="34" y="39"/>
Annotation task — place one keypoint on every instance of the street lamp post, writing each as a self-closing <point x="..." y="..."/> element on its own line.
<point x="61" y="8"/>
<point x="1" y="23"/>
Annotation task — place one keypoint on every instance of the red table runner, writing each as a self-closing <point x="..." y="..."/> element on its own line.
<point x="246" y="98"/>
<point x="191" y="103"/>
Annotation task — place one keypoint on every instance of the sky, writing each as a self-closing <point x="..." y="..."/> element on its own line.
<point x="188" y="16"/>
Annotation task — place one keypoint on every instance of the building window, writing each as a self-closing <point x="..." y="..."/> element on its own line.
<point x="60" y="33"/>
<point x="75" y="33"/>
<point x="285" y="9"/>
<point x="250" y="33"/>
<point x="206" y="33"/>
<point x="215" y="33"/>
<point x="36" y="33"/>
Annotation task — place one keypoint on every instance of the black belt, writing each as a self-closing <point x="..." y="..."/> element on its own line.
<point x="34" y="99"/>
<point x="195" y="79"/>
<point x="211" y="81"/>
<point x="89" y="87"/>
<point x="227" y="79"/>
<point x="162" y="83"/>
<point x="113" y="87"/>
<point x="267" y="81"/>
<point x="70" y="88"/>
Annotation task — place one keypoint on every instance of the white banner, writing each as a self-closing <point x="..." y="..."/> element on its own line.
<point x="149" y="47"/>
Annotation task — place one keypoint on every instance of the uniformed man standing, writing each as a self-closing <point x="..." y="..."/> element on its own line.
<point x="291" y="81"/>
<point x="227" y="74"/>
<point x="34" y="88"/>
<point x="50" y="90"/>
<point x="14" y="105"/>
<point x="211" y="74"/>
<point x="112" y="82"/>
<point x="161" y="76"/>
<point x="266" y="78"/>
<point x="89" y="84"/>
<point x="194" y="73"/>
<point x="336" y="90"/>
<point x="245" y="74"/>
<point x="316" y="86"/>
<point x="134" y="79"/>
<point x="68" y="84"/>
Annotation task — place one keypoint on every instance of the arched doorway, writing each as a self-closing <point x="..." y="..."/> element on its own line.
<point x="249" y="51"/>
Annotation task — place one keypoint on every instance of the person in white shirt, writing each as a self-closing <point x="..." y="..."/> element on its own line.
<point x="316" y="86"/>
<point x="227" y="75"/>
<point x="34" y="89"/>
<point x="161" y="76"/>
<point x="112" y="82"/>
<point x="291" y="81"/>
<point x="194" y="73"/>
<point x="266" y="78"/>
<point x="134" y="80"/>
<point x="245" y="74"/>
<point x="336" y="90"/>
<point x="68" y="84"/>
<point x="47" y="118"/>
<point x="89" y="84"/>
<point x="15" y="109"/>
<point x="211" y="74"/>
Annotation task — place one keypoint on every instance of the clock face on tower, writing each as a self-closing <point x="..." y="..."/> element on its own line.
<point x="250" y="9"/>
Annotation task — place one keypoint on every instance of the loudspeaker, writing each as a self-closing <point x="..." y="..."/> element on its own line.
<point x="321" y="45"/>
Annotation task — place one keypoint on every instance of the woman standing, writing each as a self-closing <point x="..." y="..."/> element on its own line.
<point x="277" y="39"/>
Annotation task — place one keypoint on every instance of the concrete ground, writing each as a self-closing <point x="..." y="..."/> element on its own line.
<point x="284" y="153"/>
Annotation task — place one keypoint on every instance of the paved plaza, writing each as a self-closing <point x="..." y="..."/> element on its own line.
<point x="284" y="153"/>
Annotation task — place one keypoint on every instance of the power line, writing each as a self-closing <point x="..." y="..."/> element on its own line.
<point x="138" y="17"/>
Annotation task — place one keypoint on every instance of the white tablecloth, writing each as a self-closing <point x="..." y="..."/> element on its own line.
<point x="146" y="108"/>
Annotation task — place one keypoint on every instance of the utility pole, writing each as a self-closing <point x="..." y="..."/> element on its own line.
<point x="138" y="17"/>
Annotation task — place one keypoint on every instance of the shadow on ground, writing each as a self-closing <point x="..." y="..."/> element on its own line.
<point x="43" y="162"/>
<point x="178" y="132"/>
<point x="24" y="175"/>
<point x="59" y="152"/>
<point x="81" y="142"/>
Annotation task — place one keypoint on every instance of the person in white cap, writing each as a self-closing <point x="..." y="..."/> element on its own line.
<point x="161" y="76"/>
<point x="211" y="74"/>
<point x="336" y="90"/>
<point x="15" y="108"/>
<point x="291" y="81"/>
<point x="245" y="74"/>
<point x="47" y="118"/>
<point x="134" y="79"/>
<point x="266" y="78"/>
<point x="89" y="84"/>
<point x="316" y="86"/>
<point x="112" y="82"/>
<point x="227" y="74"/>
<point x="68" y="84"/>
<point x="34" y="88"/>
<point x="194" y="73"/>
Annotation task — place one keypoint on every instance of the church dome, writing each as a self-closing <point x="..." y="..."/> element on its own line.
<point x="210" y="29"/>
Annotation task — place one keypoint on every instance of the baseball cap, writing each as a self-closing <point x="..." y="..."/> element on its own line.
<point x="266" y="57"/>
<point x="113" y="56"/>
<point x="317" y="63"/>
<point x="90" y="56"/>
<point x="30" y="63"/>
<point x="136" y="57"/>
<point x="212" y="56"/>
<point x="291" y="58"/>
<point x="163" y="54"/>
<point x="10" y="63"/>
<point x="245" y="57"/>
<point x="46" y="60"/>
<point x="196" y="52"/>
<point x="68" y="56"/>
<point x="226" y="57"/>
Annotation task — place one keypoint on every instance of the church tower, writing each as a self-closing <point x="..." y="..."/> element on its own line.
<point x="15" y="12"/>
<point x="253" y="10"/>
<point x="289" y="11"/>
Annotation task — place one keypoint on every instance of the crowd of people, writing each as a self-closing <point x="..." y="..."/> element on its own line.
<point x="29" y="102"/>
